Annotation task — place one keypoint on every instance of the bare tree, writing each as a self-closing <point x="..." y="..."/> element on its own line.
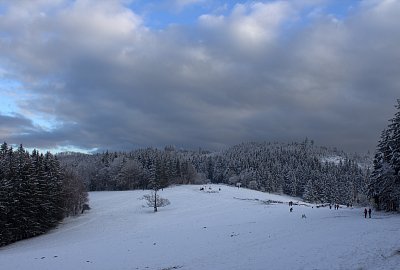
<point x="74" y="192"/>
<point x="154" y="200"/>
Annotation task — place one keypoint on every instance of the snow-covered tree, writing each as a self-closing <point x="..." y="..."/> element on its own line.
<point x="385" y="178"/>
<point x="31" y="193"/>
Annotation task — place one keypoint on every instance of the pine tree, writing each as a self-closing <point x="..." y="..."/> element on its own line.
<point x="6" y="197"/>
<point x="385" y="178"/>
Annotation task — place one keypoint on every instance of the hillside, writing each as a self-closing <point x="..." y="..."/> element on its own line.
<point x="227" y="229"/>
<point x="317" y="174"/>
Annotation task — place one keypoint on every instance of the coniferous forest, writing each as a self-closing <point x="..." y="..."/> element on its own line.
<point x="35" y="193"/>
<point x="317" y="174"/>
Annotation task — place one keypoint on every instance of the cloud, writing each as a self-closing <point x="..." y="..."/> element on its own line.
<point x="10" y="125"/>
<point x="254" y="73"/>
<point x="250" y="26"/>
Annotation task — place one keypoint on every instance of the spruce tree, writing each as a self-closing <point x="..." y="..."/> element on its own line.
<point x="385" y="178"/>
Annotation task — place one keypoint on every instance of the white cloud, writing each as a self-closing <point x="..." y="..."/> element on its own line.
<point x="106" y="19"/>
<point x="251" y="26"/>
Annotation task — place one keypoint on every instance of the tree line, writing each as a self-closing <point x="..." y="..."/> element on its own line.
<point x="296" y="169"/>
<point x="35" y="193"/>
<point x="130" y="170"/>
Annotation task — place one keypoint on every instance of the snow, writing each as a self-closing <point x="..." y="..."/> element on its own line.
<point x="228" y="229"/>
<point x="332" y="159"/>
<point x="362" y="162"/>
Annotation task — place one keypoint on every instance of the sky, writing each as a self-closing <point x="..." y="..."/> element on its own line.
<point x="90" y="75"/>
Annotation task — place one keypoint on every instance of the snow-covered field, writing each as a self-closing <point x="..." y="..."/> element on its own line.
<point x="228" y="229"/>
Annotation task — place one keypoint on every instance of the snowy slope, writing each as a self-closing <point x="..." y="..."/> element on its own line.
<point x="201" y="230"/>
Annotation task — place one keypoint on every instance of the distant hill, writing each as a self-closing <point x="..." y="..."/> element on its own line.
<point x="317" y="174"/>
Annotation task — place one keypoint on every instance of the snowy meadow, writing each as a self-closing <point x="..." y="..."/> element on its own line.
<point x="220" y="227"/>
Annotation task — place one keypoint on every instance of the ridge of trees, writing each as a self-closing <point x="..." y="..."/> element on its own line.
<point x="297" y="169"/>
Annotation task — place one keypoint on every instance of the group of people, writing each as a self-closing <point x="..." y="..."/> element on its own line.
<point x="369" y="211"/>
<point x="366" y="212"/>
<point x="290" y="205"/>
<point x="335" y="205"/>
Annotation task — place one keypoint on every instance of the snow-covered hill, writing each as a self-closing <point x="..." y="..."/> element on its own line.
<point x="227" y="229"/>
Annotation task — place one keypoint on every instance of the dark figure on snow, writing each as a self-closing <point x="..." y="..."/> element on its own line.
<point x="369" y="212"/>
<point x="291" y="209"/>
<point x="330" y="206"/>
<point x="365" y="212"/>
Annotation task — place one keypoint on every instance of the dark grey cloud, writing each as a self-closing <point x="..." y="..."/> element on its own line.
<point x="14" y="124"/>
<point x="17" y="129"/>
<point x="109" y="82"/>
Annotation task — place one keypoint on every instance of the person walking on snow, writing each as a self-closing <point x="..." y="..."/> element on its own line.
<point x="365" y="212"/>
<point x="369" y="212"/>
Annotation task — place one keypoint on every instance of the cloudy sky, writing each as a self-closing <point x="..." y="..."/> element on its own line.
<point x="120" y="74"/>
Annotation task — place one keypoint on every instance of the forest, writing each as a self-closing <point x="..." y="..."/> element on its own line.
<point x="297" y="169"/>
<point x="35" y="193"/>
